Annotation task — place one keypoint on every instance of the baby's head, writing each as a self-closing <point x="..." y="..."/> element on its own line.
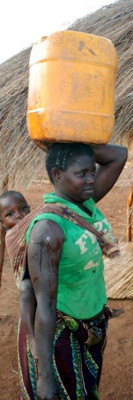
<point x="13" y="207"/>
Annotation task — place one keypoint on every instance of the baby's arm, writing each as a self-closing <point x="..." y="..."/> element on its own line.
<point x="27" y="311"/>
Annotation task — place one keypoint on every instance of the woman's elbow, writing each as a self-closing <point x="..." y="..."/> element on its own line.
<point x="121" y="156"/>
<point x="124" y="154"/>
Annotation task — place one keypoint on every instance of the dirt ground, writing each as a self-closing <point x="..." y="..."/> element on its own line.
<point x="116" y="382"/>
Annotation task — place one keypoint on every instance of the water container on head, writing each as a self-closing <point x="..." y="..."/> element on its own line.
<point x="71" y="88"/>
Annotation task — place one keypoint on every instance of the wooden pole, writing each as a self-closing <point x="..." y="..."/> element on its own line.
<point x="129" y="216"/>
<point x="4" y="187"/>
<point x="2" y="250"/>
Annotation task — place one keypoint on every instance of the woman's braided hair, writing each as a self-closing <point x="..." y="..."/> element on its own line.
<point x="62" y="155"/>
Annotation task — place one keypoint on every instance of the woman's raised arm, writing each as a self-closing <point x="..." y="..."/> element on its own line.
<point x="44" y="251"/>
<point x="111" y="160"/>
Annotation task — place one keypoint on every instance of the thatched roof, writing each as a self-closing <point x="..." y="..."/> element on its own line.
<point x="119" y="281"/>
<point x="115" y="22"/>
<point x="18" y="153"/>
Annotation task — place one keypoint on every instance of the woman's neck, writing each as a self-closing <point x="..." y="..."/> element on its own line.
<point x="67" y="198"/>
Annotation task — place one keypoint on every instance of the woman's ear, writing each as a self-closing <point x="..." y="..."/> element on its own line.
<point x="56" y="175"/>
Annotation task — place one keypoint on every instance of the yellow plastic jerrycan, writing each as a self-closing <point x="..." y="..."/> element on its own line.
<point x="71" y="88"/>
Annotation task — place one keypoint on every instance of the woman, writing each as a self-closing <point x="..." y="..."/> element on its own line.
<point x="66" y="269"/>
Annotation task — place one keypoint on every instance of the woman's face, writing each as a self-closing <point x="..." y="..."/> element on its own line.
<point x="76" y="184"/>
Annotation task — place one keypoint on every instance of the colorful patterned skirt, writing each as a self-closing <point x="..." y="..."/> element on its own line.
<point x="77" y="359"/>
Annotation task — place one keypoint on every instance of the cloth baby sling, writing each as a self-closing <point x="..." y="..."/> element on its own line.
<point x="16" y="243"/>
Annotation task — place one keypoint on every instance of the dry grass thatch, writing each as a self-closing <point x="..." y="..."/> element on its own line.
<point x="119" y="273"/>
<point x="115" y="22"/>
<point x="19" y="155"/>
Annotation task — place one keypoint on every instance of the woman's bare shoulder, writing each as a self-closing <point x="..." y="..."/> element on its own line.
<point x="46" y="231"/>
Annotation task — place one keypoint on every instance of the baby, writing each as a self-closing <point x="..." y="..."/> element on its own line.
<point x="14" y="207"/>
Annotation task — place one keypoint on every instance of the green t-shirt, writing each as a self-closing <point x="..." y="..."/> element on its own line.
<point x="81" y="286"/>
